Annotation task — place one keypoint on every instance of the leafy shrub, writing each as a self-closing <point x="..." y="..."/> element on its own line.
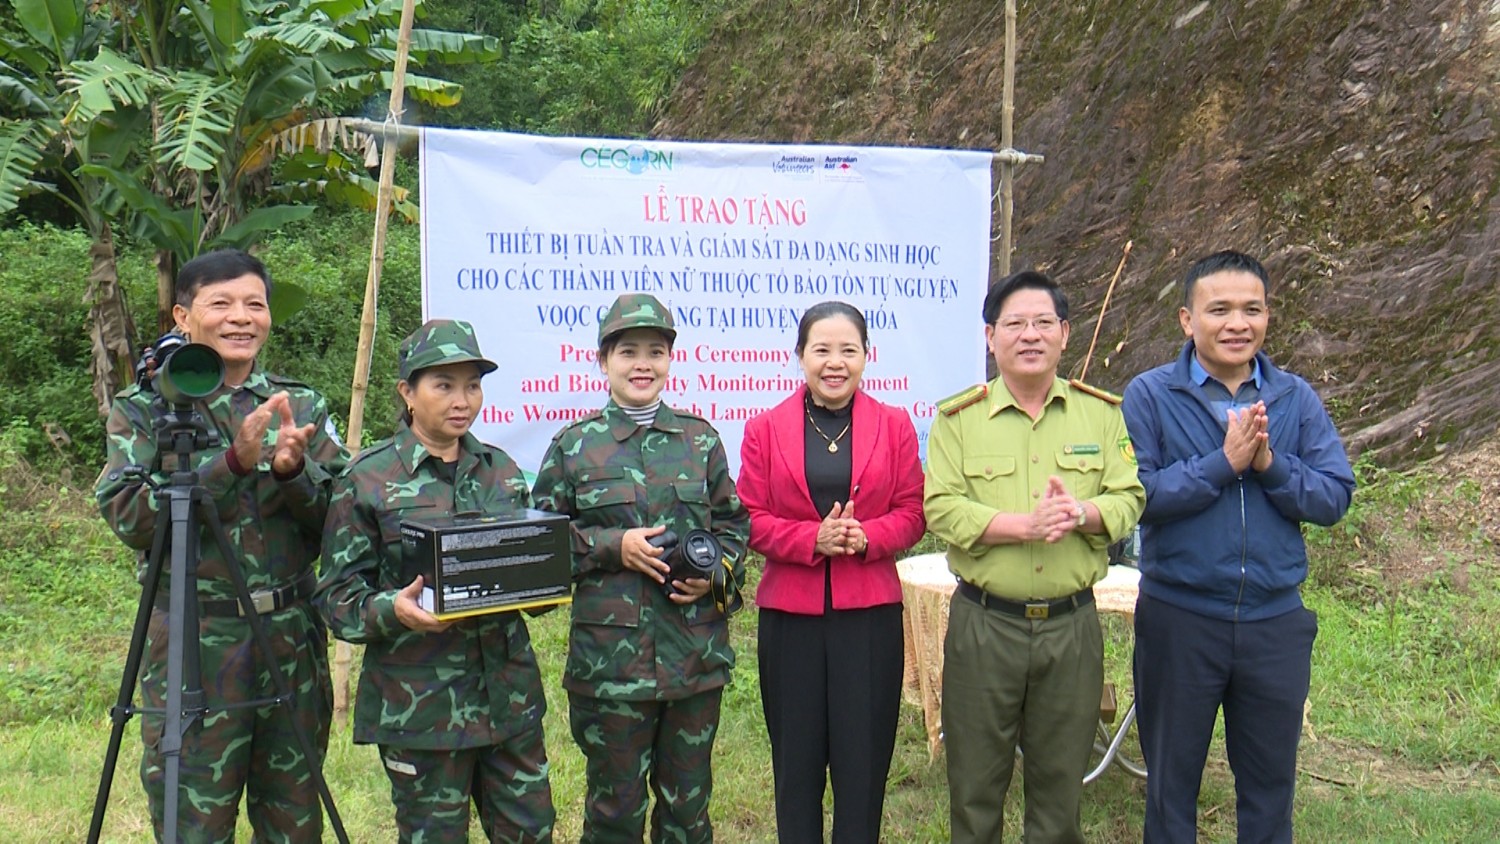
<point x="44" y="343"/>
<point x="44" y="330"/>
<point x="576" y="67"/>
<point x="318" y="344"/>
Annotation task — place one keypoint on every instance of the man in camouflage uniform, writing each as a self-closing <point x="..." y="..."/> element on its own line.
<point x="645" y="671"/>
<point x="269" y="477"/>
<point x="456" y="708"/>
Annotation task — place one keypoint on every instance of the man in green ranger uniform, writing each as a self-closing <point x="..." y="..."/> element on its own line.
<point x="645" y="670"/>
<point x="269" y="477"/>
<point x="455" y="707"/>
<point x="1029" y="478"/>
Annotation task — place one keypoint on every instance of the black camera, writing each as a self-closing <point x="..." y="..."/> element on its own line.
<point x="178" y="371"/>
<point x="695" y="555"/>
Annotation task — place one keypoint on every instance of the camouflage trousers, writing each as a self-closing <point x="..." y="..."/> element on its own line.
<point x="630" y="744"/>
<point x="253" y="750"/>
<point x="507" y="782"/>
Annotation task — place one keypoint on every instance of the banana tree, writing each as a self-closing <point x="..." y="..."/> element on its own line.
<point x="41" y="139"/>
<point x="221" y="87"/>
<point x="236" y="78"/>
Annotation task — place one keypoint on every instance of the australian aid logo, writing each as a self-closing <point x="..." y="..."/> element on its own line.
<point x="842" y="168"/>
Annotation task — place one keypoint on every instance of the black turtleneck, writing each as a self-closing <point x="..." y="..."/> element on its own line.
<point x="828" y="473"/>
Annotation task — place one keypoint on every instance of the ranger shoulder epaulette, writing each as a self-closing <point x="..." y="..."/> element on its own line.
<point x="684" y="412"/>
<point x="572" y="425"/>
<point x="283" y="381"/>
<point x="959" y="401"/>
<point x="372" y="450"/>
<point x="1102" y="395"/>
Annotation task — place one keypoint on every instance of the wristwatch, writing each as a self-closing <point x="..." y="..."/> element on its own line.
<point x="1083" y="515"/>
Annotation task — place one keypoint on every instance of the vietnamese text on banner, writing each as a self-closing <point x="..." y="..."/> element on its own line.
<point x="531" y="238"/>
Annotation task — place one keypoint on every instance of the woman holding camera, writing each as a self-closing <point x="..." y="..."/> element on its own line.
<point x="455" y="707"/>
<point x="648" y="653"/>
<point x="834" y="488"/>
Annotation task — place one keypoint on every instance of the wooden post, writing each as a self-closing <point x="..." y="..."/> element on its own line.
<point x="1007" y="137"/>
<point x="344" y="652"/>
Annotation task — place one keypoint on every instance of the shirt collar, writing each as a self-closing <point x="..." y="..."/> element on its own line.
<point x="1200" y="375"/>
<point x="411" y="451"/>
<point x="622" y="426"/>
<point x="1001" y="398"/>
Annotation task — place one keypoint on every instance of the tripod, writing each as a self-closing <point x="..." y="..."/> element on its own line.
<point x="184" y="509"/>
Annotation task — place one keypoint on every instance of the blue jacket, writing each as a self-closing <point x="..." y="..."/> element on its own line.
<point x="1219" y="544"/>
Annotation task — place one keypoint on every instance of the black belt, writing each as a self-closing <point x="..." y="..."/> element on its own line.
<point x="264" y="601"/>
<point x="1026" y="609"/>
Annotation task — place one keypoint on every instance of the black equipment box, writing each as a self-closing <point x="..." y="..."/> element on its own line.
<point x="482" y="564"/>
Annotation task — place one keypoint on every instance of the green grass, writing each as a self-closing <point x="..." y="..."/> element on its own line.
<point x="1404" y="715"/>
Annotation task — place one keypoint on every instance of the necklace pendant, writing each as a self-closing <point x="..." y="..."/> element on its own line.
<point x="833" y="448"/>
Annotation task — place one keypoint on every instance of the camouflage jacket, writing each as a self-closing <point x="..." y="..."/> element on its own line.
<point x="475" y="683"/>
<point x="276" y="526"/>
<point x="628" y="641"/>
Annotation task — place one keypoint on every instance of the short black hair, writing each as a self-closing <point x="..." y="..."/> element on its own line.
<point x="1220" y="261"/>
<point x="214" y="267"/>
<point x="1024" y="280"/>
<point x="825" y="310"/>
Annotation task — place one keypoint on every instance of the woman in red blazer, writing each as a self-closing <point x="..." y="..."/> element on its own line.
<point x="833" y="484"/>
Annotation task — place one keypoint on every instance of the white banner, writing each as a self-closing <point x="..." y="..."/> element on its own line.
<point x="531" y="238"/>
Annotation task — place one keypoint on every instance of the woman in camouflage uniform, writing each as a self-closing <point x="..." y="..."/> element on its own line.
<point x="455" y="707"/>
<point x="645" y="668"/>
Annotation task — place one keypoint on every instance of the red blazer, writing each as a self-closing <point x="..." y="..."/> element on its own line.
<point x="887" y="477"/>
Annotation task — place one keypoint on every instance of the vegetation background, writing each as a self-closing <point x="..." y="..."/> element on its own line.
<point x="1142" y="115"/>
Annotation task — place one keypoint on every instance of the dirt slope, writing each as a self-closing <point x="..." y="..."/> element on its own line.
<point x="1353" y="145"/>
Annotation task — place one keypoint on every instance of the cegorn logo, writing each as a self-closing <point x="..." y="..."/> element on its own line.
<point x="634" y="158"/>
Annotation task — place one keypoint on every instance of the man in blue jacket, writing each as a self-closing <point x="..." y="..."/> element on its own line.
<point x="1235" y="454"/>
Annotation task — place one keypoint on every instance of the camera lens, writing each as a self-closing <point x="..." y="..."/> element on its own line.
<point x="190" y="372"/>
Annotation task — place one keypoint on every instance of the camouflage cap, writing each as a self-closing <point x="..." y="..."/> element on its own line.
<point x="636" y="310"/>
<point x="439" y="342"/>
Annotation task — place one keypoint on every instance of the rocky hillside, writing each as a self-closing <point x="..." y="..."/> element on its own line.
<point x="1354" y="145"/>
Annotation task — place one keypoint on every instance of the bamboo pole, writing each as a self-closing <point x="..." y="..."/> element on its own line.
<point x="344" y="652"/>
<point x="1103" y="309"/>
<point x="1007" y="137"/>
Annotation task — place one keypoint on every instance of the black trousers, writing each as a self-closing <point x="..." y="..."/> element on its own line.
<point x="831" y="689"/>
<point x="1186" y="667"/>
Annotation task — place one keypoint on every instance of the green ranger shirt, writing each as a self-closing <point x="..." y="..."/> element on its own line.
<point x="475" y="683"/>
<point x="628" y="640"/>
<point x="985" y="455"/>
<point x="275" y="526"/>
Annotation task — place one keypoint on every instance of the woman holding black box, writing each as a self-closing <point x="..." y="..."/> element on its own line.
<point x="456" y="707"/>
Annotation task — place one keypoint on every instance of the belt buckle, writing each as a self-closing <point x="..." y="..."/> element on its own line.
<point x="1038" y="610"/>
<point x="264" y="602"/>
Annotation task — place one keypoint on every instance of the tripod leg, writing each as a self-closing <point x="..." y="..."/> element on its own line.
<point x="120" y="713"/>
<point x="185" y="700"/>
<point x="210" y="517"/>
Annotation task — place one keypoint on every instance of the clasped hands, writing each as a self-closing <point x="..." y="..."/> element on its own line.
<point x="291" y="438"/>
<point x="840" y="534"/>
<point x="1054" y="516"/>
<point x="1247" y="440"/>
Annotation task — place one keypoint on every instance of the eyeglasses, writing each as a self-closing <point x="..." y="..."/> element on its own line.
<point x="1043" y="323"/>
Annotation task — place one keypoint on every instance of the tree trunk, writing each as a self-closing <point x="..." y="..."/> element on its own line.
<point x="110" y="326"/>
<point x="166" y="274"/>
